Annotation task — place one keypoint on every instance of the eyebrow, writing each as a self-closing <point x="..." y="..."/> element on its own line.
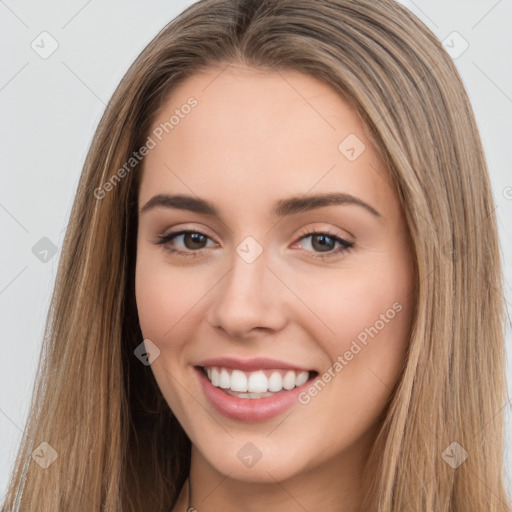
<point x="281" y="208"/>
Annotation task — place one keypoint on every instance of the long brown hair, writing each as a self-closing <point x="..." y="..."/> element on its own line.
<point x="118" y="445"/>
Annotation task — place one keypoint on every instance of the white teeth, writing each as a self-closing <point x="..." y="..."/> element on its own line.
<point x="255" y="384"/>
<point x="224" y="381"/>
<point x="289" y="380"/>
<point x="238" y="381"/>
<point x="248" y="395"/>
<point x="275" y="382"/>
<point x="302" y="378"/>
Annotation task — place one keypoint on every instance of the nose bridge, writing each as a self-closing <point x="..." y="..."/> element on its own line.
<point x="246" y="297"/>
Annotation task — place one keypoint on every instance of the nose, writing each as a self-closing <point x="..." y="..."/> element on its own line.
<point x="248" y="298"/>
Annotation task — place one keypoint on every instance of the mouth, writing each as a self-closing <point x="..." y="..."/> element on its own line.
<point x="253" y="396"/>
<point x="256" y="384"/>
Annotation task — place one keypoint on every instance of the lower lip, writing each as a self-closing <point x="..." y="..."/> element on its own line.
<point x="250" y="410"/>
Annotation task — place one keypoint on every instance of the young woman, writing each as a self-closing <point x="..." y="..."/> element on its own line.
<point x="280" y="288"/>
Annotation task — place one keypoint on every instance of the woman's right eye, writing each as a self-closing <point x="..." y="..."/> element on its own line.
<point x="191" y="240"/>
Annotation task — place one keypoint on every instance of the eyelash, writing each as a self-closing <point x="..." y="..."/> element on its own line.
<point x="346" y="245"/>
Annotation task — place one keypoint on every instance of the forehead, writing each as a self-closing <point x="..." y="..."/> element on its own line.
<point x="254" y="134"/>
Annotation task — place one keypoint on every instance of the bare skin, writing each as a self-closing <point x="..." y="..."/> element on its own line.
<point x="255" y="138"/>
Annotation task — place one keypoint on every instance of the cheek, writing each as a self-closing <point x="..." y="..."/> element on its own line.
<point x="165" y="300"/>
<point x="167" y="296"/>
<point x="361" y="314"/>
<point x="156" y="303"/>
<point x="370" y="316"/>
<point x="344" y="304"/>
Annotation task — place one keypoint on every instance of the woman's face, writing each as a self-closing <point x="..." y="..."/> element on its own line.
<point x="297" y="257"/>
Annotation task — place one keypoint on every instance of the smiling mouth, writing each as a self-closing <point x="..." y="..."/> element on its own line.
<point x="256" y="384"/>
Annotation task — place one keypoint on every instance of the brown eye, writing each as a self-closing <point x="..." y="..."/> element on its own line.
<point x="192" y="241"/>
<point x="323" y="244"/>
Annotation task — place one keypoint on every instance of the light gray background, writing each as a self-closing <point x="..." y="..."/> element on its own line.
<point x="51" y="107"/>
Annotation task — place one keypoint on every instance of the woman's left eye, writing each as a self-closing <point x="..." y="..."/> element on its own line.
<point x="326" y="240"/>
<point x="194" y="241"/>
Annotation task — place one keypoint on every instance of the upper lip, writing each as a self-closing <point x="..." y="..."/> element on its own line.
<point x="257" y="363"/>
